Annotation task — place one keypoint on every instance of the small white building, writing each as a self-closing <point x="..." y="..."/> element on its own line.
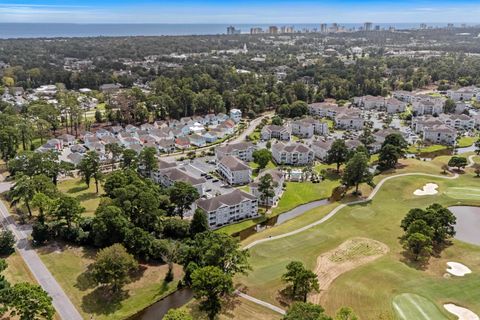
<point x="236" y="115"/>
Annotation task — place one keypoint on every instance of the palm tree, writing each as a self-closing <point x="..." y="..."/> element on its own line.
<point x="23" y="190"/>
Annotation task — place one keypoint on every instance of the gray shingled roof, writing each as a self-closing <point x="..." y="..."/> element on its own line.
<point x="229" y="199"/>
<point x="234" y="164"/>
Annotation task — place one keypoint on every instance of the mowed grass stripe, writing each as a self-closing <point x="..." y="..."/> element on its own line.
<point x="410" y="306"/>
<point x="463" y="193"/>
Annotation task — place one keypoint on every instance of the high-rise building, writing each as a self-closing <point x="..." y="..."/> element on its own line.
<point x="377" y="28"/>
<point x="423" y="26"/>
<point x="334" y="27"/>
<point x="323" y="28"/>
<point x="367" y="26"/>
<point x="233" y="30"/>
<point x="256" y="30"/>
<point x="287" y="29"/>
<point x="273" y="29"/>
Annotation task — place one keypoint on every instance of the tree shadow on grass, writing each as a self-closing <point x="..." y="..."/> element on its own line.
<point x="284" y="296"/>
<point x="103" y="301"/>
<point x="77" y="189"/>
<point x="409" y="260"/>
<point x="87" y="196"/>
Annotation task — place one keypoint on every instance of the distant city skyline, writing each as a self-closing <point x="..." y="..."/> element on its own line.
<point x="239" y="12"/>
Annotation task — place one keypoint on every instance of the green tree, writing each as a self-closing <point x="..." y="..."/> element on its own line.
<point x="113" y="266"/>
<point x="23" y="190"/>
<point x="449" y="106"/>
<point x="419" y="245"/>
<point x="183" y="195"/>
<point x="129" y="159"/>
<point x="170" y="253"/>
<point x="147" y="160"/>
<point x="199" y="222"/>
<point x="388" y="157"/>
<point x="337" y="153"/>
<point x="115" y="151"/>
<point x="89" y="168"/>
<point x="7" y="242"/>
<point x="98" y="116"/>
<point x="67" y="208"/>
<point x="109" y="226"/>
<point x="210" y="284"/>
<point x="42" y="202"/>
<point x="300" y="280"/>
<point x="266" y="187"/>
<point x="458" y="162"/>
<point x="30" y="302"/>
<point x="298" y="109"/>
<point x="177" y="314"/>
<point x="305" y="311"/>
<point x="214" y="249"/>
<point x="477" y="147"/>
<point x="345" y="313"/>
<point x="262" y="157"/>
<point x="356" y="171"/>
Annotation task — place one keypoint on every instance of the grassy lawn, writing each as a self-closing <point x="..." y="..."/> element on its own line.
<point x="371" y="289"/>
<point x="237" y="227"/>
<point x="466" y="142"/>
<point x="432" y="148"/>
<point x="17" y="271"/>
<point x="298" y="193"/>
<point x="87" y="196"/>
<point x="69" y="266"/>
<point x="254" y="166"/>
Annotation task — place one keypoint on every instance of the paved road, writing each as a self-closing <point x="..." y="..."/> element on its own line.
<point x="333" y="213"/>
<point x="65" y="309"/>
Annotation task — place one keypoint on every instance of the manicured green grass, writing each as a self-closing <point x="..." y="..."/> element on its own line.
<point x="298" y="193"/>
<point x="69" y="265"/>
<point x="432" y="148"/>
<point x="237" y="227"/>
<point x="370" y="289"/>
<point x="254" y="166"/>
<point x="466" y="142"/>
<point x="463" y="193"/>
<point x="412" y="306"/>
<point x="87" y="196"/>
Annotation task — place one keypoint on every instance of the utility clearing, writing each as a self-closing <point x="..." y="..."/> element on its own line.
<point x="428" y="190"/>
<point x="349" y="255"/>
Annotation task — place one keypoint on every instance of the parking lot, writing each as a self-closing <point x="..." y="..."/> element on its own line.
<point x="202" y="167"/>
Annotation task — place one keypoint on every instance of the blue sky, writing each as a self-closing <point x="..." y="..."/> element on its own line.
<point x="237" y="12"/>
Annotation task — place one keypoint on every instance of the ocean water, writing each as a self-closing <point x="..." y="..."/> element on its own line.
<point x="51" y="30"/>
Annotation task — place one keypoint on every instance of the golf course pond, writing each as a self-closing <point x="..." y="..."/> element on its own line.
<point x="468" y="223"/>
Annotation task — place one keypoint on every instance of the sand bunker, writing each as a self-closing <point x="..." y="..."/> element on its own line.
<point x="457" y="269"/>
<point x="461" y="313"/>
<point x="348" y="256"/>
<point x="428" y="190"/>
